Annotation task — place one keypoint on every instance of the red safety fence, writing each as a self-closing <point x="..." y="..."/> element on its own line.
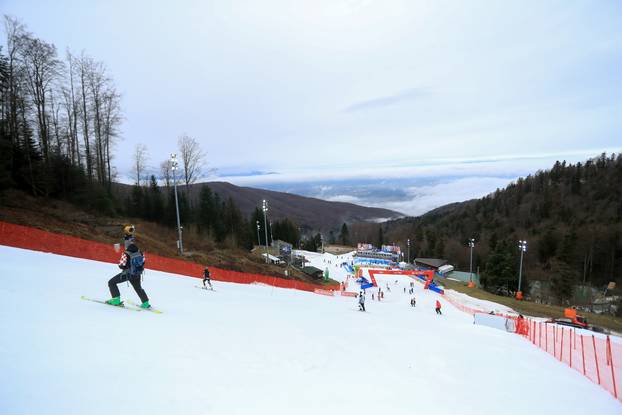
<point x="348" y="294"/>
<point x="38" y="240"/>
<point x="373" y="272"/>
<point x="596" y="357"/>
<point x="330" y="293"/>
<point x="462" y="307"/>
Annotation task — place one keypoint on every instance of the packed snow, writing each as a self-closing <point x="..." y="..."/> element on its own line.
<point x="252" y="349"/>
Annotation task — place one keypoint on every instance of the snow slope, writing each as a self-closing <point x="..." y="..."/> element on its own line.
<point x="248" y="349"/>
<point x="330" y="261"/>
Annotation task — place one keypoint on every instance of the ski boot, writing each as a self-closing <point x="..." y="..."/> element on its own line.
<point x="145" y="305"/>
<point x="115" y="301"/>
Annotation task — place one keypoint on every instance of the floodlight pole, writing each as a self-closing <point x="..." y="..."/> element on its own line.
<point x="522" y="245"/>
<point x="180" y="243"/>
<point x="408" y="244"/>
<point x="471" y="245"/>
<point x="265" y="222"/>
<point x="258" y="239"/>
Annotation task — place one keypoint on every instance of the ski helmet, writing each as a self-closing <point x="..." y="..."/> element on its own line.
<point x="129" y="230"/>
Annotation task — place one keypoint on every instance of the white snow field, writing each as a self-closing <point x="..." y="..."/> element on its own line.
<point x="250" y="349"/>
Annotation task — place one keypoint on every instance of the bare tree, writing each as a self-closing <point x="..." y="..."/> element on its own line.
<point x="112" y="120"/>
<point x="97" y="82"/>
<point x="167" y="172"/>
<point x="14" y="32"/>
<point x="41" y="69"/>
<point x="55" y="120"/>
<point x="192" y="157"/>
<point x="49" y="108"/>
<point x="140" y="162"/>
<point x="85" y="63"/>
<point x="72" y="111"/>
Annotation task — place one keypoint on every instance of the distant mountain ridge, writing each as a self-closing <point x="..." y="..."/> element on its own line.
<point x="308" y="212"/>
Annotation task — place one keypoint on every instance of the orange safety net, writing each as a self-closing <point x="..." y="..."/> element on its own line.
<point x="39" y="240"/>
<point x="595" y="356"/>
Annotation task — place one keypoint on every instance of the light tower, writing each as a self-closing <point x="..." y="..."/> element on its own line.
<point x="180" y="243"/>
<point x="408" y="245"/>
<point x="264" y="207"/>
<point x="258" y="239"/>
<point x="522" y="245"/>
<point x="471" y="245"/>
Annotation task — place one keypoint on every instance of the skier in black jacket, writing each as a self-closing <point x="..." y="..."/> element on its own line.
<point x="207" y="278"/>
<point x="132" y="265"/>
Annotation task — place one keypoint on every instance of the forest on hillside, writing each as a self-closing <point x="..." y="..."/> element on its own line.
<point x="570" y="216"/>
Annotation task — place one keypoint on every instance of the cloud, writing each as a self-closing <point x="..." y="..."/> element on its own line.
<point x="387" y="101"/>
<point x="346" y="198"/>
<point x="422" y="199"/>
<point x="508" y="166"/>
<point x="418" y="200"/>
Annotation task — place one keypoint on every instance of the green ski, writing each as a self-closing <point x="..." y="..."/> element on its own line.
<point x="153" y="310"/>
<point x="109" y="305"/>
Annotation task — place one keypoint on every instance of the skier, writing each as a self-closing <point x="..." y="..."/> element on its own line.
<point x="413" y="302"/>
<point x="132" y="264"/>
<point x="438" y="307"/>
<point x="362" y="301"/>
<point x="206" y="278"/>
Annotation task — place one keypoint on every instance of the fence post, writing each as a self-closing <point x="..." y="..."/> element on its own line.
<point x="570" y="349"/>
<point x="583" y="354"/>
<point x="561" y="347"/>
<point x="596" y="358"/>
<point x="534" y="332"/>
<point x="554" y="341"/>
<point x="546" y="336"/>
<point x="540" y="333"/>
<point x="613" y="375"/>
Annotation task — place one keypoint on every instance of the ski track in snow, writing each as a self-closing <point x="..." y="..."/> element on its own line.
<point x="253" y="349"/>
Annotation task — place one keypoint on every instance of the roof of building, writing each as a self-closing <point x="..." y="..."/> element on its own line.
<point x="271" y="257"/>
<point x="312" y="270"/>
<point x="431" y="262"/>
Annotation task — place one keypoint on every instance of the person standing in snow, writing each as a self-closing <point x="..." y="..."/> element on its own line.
<point x="413" y="302"/>
<point x="362" y="301"/>
<point x="132" y="265"/>
<point x="207" y="278"/>
<point x="438" y="307"/>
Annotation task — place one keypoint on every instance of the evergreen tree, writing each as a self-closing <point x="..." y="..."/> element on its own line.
<point x="206" y="216"/>
<point x="344" y="235"/>
<point x="547" y="246"/>
<point x="500" y="273"/>
<point x="567" y="248"/>
<point x="137" y="204"/>
<point x="156" y="202"/>
<point x="287" y="231"/>
<point x="563" y="280"/>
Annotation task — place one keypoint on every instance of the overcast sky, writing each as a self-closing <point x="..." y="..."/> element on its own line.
<point x="458" y="97"/>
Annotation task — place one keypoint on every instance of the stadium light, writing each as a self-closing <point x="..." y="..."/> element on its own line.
<point x="264" y="207"/>
<point x="180" y="243"/>
<point x="471" y="245"/>
<point x="522" y="245"/>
